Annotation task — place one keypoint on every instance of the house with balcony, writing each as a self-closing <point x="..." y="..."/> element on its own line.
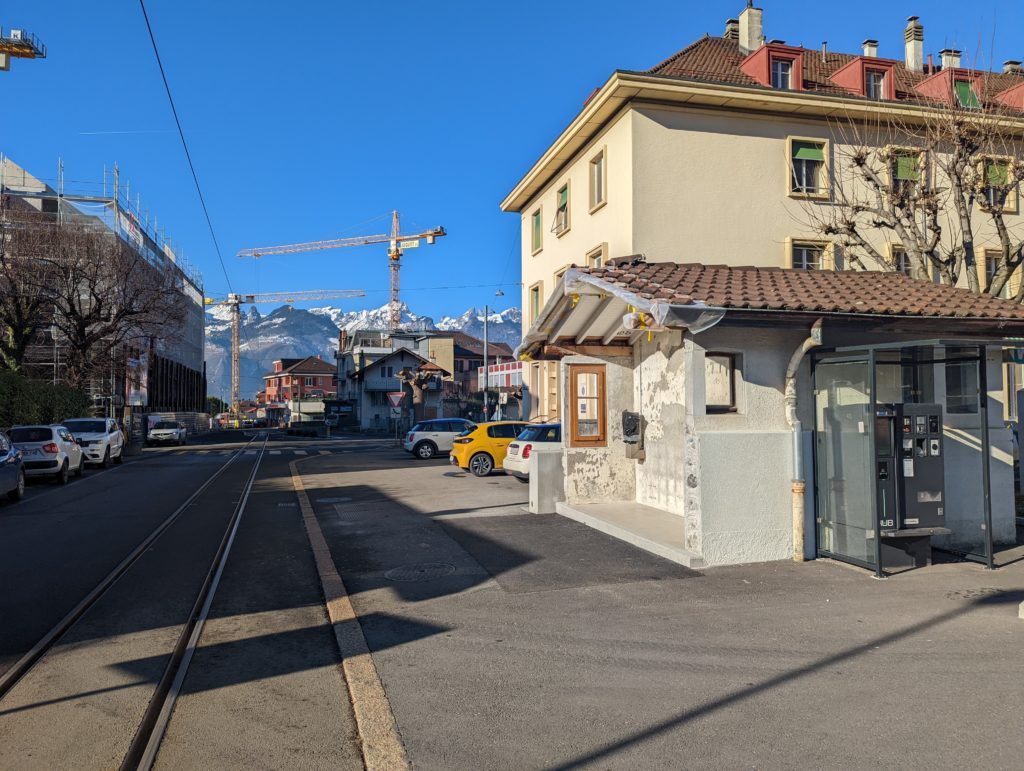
<point x="295" y="389"/>
<point x="369" y="386"/>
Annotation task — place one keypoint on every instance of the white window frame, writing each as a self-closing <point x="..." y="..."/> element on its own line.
<point x="561" y="223"/>
<point x="777" y="62"/>
<point x="598" y="174"/>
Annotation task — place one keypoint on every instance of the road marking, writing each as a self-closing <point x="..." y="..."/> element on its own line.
<point x="333" y="500"/>
<point x="325" y="452"/>
<point x="275" y="452"/>
<point x="250" y="452"/>
<point x="381" y="745"/>
<point x="300" y="452"/>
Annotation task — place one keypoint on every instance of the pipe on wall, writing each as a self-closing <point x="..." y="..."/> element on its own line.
<point x="799" y="484"/>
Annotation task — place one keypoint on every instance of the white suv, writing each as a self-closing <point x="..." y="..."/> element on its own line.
<point x="48" y="451"/>
<point x="429" y="437"/>
<point x="100" y="438"/>
<point x="167" y="431"/>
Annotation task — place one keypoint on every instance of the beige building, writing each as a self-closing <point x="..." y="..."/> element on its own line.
<point x="725" y="153"/>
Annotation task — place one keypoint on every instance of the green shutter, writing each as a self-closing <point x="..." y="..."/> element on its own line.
<point x="536" y="230"/>
<point x="808" y="151"/>
<point x="907" y="167"/>
<point x="997" y="173"/>
<point x="563" y="197"/>
<point x="965" y="94"/>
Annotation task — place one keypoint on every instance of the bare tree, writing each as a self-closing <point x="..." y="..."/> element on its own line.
<point x="26" y="303"/>
<point x="417" y="380"/>
<point x="916" y="190"/>
<point x="107" y="297"/>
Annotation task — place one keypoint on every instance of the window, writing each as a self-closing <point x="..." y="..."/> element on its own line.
<point x="961" y="382"/>
<point x="719" y="382"/>
<point x="808" y="167"/>
<point x="874" y="84"/>
<point x="309" y="381"/>
<point x="504" y="430"/>
<point x="561" y="211"/>
<point x="993" y="259"/>
<point x="808" y="256"/>
<point x="998" y="192"/>
<point x="905" y="170"/>
<point x="587" y="405"/>
<point x="561" y="272"/>
<point x="966" y="97"/>
<point x="536" y="231"/>
<point x="536" y="301"/>
<point x="595" y="257"/>
<point x="901" y="260"/>
<point x="782" y="73"/>
<point x="597" y="181"/>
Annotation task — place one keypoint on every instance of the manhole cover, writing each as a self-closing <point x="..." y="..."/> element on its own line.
<point x="423" y="571"/>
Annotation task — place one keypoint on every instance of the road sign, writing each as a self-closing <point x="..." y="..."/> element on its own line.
<point x="395" y="398"/>
<point x="396" y="412"/>
<point x="411" y="244"/>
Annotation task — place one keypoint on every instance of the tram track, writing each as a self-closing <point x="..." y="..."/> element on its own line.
<point x="141" y="752"/>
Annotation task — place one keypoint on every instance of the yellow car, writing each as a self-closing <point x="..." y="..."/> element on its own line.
<point x="481" y="449"/>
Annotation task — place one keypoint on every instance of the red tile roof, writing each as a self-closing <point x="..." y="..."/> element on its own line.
<point x="808" y="291"/>
<point x="718" y="59"/>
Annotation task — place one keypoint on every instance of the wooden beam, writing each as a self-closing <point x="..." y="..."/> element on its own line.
<point x="571" y="349"/>
<point x="587" y="329"/>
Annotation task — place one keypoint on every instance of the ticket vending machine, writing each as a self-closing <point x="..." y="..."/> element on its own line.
<point x="909" y="481"/>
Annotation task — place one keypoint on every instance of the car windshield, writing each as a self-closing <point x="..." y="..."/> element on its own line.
<point x="540" y="434"/>
<point x="32" y="434"/>
<point x="470" y="428"/>
<point x="165" y="424"/>
<point x="86" y="426"/>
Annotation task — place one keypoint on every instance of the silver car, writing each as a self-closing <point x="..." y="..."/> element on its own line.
<point x="429" y="437"/>
<point x="48" y="451"/>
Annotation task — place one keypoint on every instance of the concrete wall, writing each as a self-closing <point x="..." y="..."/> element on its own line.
<point x="602" y="474"/>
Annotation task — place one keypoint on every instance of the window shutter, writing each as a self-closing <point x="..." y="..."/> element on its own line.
<point x="563" y="197"/>
<point x="808" y="151"/>
<point x="997" y="173"/>
<point x="965" y="94"/>
<point x="907" y="167"/>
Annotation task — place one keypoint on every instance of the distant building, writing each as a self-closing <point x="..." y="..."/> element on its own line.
<point x="296" y="388"/>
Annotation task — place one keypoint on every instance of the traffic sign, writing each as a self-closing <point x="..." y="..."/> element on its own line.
<point x="396" y="412"/>
<point x="395" y="398"/>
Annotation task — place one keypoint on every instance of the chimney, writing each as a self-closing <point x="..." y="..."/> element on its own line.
<point x="751" y="28"/>
<point x="950" y="58"/>
<point x="824" y="51"/>
<point x="732" y="29"/>
<point x="1012" y="67"/>
<point x="913" y="37"/>
<point x="870" y="48"/>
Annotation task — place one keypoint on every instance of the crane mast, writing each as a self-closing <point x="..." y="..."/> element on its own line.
<point x="235" y="302"/>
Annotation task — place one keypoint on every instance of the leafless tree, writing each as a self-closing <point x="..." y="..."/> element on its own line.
<point x="417" y="381"/>
<point x="931" y="180"/>
<point x="26" y="304"/>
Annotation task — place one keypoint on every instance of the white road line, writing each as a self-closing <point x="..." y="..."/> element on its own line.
<point x="250" y="452"/>
<point x="300" y="452"/>
<point x="275" y="452"/>
<point x="325" y="452"/>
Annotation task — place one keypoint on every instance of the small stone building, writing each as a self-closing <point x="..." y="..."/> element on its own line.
<point x="701" y="407"/>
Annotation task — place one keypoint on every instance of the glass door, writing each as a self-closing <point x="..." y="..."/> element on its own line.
<point x="844" y="466"/>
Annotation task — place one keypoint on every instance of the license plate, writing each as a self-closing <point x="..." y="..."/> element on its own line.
<point x="513" y="450"/>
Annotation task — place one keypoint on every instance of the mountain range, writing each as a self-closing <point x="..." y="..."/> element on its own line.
<point x="289" y="332"/>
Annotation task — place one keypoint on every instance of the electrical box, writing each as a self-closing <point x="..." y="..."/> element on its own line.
<point x="909" y="467"/>
<point x="631" y="427"/>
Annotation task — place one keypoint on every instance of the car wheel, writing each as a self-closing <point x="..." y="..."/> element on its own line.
<point x="106" y="458"/>
<point x="19" y="491"/>
<point x="481" y="464"/>
<point x="62" y="475"/>
<point x="81" y="466"/>
<point x="425" y="450"/>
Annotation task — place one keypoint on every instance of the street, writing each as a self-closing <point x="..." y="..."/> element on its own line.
<point x="501" y="639"/>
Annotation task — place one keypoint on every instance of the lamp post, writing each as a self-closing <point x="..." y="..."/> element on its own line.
<point x="487" y="313"/>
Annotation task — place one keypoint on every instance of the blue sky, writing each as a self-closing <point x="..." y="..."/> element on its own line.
<point x="313" y="120"/>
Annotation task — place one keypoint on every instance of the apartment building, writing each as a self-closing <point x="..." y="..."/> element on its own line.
<point x="724" y="153"/>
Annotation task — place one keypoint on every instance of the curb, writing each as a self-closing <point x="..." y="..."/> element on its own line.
<point x="382" y="746"/>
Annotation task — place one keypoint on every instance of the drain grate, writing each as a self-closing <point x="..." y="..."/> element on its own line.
<point x="422" y="571"/>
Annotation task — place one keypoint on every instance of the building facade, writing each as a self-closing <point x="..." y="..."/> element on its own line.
<point x="727" y="152"/>
<point x="296" y="389"/>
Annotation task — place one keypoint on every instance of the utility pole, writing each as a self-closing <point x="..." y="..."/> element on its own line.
<point x="486" y="378"/>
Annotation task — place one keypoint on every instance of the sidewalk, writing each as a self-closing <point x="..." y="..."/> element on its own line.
<point x="505" y="639"/>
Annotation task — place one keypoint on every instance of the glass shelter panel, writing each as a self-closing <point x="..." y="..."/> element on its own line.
<point x="845" y="482"/>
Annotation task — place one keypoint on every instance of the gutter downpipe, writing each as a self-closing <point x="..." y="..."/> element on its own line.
<point x="799" y="487"/>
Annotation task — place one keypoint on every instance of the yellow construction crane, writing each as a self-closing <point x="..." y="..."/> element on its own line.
<point x="235" y="301"/>
<point x="19" y="44"/>
<point x="397" y="243"/>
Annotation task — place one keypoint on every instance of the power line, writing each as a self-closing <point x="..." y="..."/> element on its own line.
<point x="184" y="144"/>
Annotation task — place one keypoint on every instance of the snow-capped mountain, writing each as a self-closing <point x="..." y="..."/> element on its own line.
<point x="289" y="332"/>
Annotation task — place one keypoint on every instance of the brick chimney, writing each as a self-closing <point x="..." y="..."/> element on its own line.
<point x="751" y="28"/>
<point x="950" y="58"/>
<point x="913" y="37"/>
<point x="870" y="48"/>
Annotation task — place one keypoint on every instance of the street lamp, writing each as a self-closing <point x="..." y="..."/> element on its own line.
<point x="487" y="313"/>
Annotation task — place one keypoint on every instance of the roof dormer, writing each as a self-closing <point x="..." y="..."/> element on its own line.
<point x="955" y="86"/>
<point x="868" y="76"/>
<point x="776" y="65"/>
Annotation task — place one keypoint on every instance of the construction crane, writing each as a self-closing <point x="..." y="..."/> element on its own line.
<point x="235" y="301"/>
<point x="21" y="45"/>
<point x="397" y="244"/>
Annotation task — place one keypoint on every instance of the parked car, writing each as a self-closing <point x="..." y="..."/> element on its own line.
<point x="101" y="439"/>
<point x="48" y="451"/>
<point x="536" y="437"/>
<point x="12" y="470"/>
<point x="167" y="432"/>
<point x="481" y="449"/>
<point x="429" y="437"/>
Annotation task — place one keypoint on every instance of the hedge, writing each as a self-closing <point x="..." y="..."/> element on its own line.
<point x="33" y="401"/>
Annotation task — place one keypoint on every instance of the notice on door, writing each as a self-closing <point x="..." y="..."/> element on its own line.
<point x="908" y="467"/>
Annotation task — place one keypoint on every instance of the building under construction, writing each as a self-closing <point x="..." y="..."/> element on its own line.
<point x="162" y="373"/>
